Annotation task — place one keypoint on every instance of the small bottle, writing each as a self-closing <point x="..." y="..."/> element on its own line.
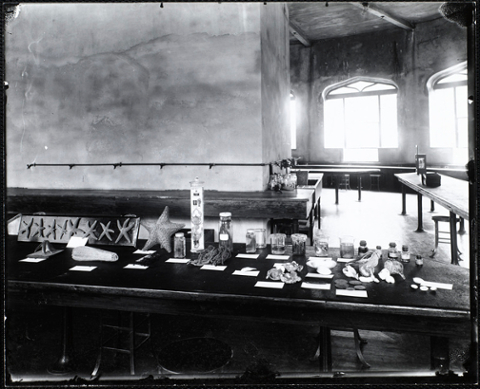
<point x="378" y="250"/>
<point x="251" y="244"/>
<point x="225" y="233"/>
<point x="405" y="254"/>
<point x="362" y="249"/>
<point x="392" y="251"/>
<point x="419" y="260"/>
<point x="179" y="245"/>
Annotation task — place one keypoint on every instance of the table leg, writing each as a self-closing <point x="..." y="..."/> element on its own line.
<point x="461" y="230"/>
<point x="404" y="200"/>
<point x="319" y="214"/>
<point x="359" y="187"/>
<point x="64" y="363"/>
<point x="439" y="354"/>
<point x="453" y="239"/>
<point x="337" y="185"/>
<point x="420" y="213"/>
<point x="432" y="206"/>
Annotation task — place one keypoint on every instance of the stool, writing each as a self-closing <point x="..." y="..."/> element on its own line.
<point x="345" y="181"/>
<point x="375" y="181"/>
<point x="126" y="333"/>
<point x="438" y="237"/>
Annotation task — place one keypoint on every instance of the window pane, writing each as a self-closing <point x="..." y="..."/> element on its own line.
<point x="462" y="101"/>
<point x="379" y="87"/>
<point x="388" y="117"/>
<point x="362" y="122"/>
<point x="360" y="155"/>
<point x="343" y="90"/>
<point x="453" y="78"/>
<point x="334" y="125"/>
<point x="442" y="118"/>
<point x="462" y="127"/>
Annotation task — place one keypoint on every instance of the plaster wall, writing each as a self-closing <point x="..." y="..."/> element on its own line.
<point x="407" y="58"/>
<point x="109" y="83"/>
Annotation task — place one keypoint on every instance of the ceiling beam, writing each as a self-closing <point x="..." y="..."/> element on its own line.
<point x="374" y="10"/>
<point x="299" y="34"/>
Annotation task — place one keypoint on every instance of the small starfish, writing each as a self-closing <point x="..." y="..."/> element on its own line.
<point x="106" y="231"/>
<point x="63" y="230"/>
<point x="73" y="228"/>
<point x="90" y="232"/>
<point x="51" y="229"/>
<point x="124" y="230"/>
<point x="27" y="227"/>
<point x="40" y="229"/>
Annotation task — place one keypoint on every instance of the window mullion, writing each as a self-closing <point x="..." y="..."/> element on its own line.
<point x="379" y="122"/>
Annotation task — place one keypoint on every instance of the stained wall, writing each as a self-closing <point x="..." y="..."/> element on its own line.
<point x="137" y="83"/>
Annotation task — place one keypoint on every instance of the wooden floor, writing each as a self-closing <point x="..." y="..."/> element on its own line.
<point x="261" y="352"/>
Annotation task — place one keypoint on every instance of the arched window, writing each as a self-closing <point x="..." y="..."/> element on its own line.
<point x="448" y="102"/>
<point x="360" y="116"/>
<point x="293" y="121"/>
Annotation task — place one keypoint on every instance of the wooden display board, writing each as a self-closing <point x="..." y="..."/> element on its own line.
<point x="120" y="231"/>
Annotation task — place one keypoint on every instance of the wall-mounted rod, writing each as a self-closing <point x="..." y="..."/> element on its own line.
<point x="161" y="164"/>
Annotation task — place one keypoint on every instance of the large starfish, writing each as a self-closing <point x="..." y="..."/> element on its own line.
<point x="161" y="233"/>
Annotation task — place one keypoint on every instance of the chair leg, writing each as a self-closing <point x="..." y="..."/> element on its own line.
<point x="358" y="348"/>
<point x="132" y="343"/>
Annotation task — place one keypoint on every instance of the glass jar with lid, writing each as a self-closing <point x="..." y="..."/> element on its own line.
<point x="405" y="254"/>
<point x="299" y="242"/>
<point x="362" y="248"/>
<point x="225" y="230"/>
<point x="179" y="246"/>
<point x="392" y="251"/>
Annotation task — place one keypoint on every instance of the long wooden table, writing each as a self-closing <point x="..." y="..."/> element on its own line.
<point x="182" y="289"/>
<point x="452" y="194"/>
<point x="337" y="174"/>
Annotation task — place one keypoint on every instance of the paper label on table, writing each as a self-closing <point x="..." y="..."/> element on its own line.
<point x="77" y="241"/>
<point x="267" y="284"/>
<point x="146" y="252"/>
<point x="438" y="285"/>
<point x="213" y="267"/>
<point x="178" y="260"/>
<point x="345" y="259"/>
<point x="275" y="256"/>
<point x="317" y="275"/>
<point x="307" y="285"/>
<point x="33" y="260"/>
<point x="135" y="266"/>
<point x="83" y="268"/>
<point x="246" y="273"/>
<point x="351" y="293"/>
<point x="251" y="256"/>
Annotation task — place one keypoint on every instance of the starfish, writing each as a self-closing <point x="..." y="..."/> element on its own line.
<point x="40" y="229"/>
<point x="90" y="231"/>
<point x="63" y="230"/>
<point x="27" y="227"/>
<point x="51" y="229"/>
<point x="106" y="231"/>
<point x="161" y="233"/>
<point x="73" y="228"/>
<point x="124" y="230"/>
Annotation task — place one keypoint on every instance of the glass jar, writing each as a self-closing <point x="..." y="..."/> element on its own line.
<point x="299" y="242"/>
<point x="347" y="249"/>
<point x="362" y="249"/>
<point x="225" y="231"/>
<point x="250" y="240"/>
<point x="179" y="246"/>
<point x="392" y="251"/>
<point x="289" y="181"/>
<point x="320" y="244"/>
<point x="419" y="260"/>
<point x="378" y="250"/>
<point x="405" y="254"/>
<point x="261" y="238"/>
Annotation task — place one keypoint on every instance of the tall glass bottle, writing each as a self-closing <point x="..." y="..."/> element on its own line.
<point x="225" y="231"/>
<point x="196" y="212"/>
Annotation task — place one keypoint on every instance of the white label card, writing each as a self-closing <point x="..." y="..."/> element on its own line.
<point x="251" y="256"/>
<point x="307" y="285"/>
<point x="136" y="266"/>
<point x="213" y="267"/>
<point x="317" y="275"/>
<point x="345" y="259"/>
<point x="178" y="260"/>
<point x="351" y="293"/>
<point x="83" y="268"/>
<point x="77" y="241"/>
<point x="146" y="252"/>
<point x="275" y="256"/>
<point x="246" y="273"/>
<point x="272" y="285"/>
<point x="33" y="260"/>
